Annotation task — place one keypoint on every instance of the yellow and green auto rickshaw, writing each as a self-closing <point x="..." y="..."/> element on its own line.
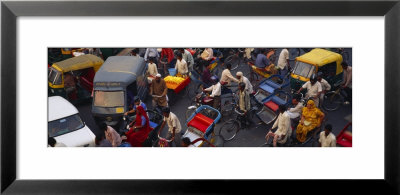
<point x="73" y="78"/>
<point x="313" y="62"/>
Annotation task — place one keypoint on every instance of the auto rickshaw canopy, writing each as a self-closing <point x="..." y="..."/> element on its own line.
<point x="119" y="71"/>
<point x="78" y="63"/>
<point x="320" y="57"/>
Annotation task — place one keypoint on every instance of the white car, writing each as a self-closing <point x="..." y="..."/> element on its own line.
<point x="66" y="126"/>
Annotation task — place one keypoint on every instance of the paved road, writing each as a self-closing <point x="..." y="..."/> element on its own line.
<point x="245" y="138"/>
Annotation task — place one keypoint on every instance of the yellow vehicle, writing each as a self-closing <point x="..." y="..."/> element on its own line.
<point x="73" y="78"/>
<point x="313" y="62"/>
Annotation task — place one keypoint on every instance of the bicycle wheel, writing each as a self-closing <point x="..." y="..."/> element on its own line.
<point x="293" y="53"/>
<point x="229" y="130"/>
<point x="332" y="101"/>
<point x="233" y="60"/>
<point x="254" y="79"/>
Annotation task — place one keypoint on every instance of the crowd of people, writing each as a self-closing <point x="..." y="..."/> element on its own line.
<point x="309" y="117"/>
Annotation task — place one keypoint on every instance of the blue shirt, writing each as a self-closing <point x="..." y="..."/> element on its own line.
<point x="143" y="120"/>
<point x="262" y="61"/>
<point x="142" y="104"/>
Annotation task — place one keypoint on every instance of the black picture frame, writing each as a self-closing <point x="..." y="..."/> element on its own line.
<point x="10" y="10"/>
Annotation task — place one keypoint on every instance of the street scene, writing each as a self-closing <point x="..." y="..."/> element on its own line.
<point x="199" y="97"/>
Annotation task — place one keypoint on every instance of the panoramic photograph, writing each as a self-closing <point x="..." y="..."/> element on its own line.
<point x="199" y="97"/>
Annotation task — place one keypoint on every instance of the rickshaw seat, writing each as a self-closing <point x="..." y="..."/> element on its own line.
<point x="278" y="100"/>
<point x="267" y="88"/>
<point x="271" y="105"/>
<point x="272" y="84"/>
<point x="344" y="143"/>
<point x="200" y="122"/>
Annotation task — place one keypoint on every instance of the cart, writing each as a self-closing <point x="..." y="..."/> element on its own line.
<point x="269" y="86"/>
<point x="271" y="104"/>
<point x="177" y="86"/>
<point x="201" y="124"/>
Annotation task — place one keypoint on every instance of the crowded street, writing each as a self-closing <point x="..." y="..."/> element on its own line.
<point x="201" y="97"/>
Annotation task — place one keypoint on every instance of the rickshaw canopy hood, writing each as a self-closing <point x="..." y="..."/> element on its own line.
<point x="78" y="63"/>
<point x="320" y="57"/>
<point x="119" y="72"/>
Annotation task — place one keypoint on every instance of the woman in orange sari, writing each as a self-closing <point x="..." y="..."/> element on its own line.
<point x="138" y="133"/>
<point x="311" y="118"/>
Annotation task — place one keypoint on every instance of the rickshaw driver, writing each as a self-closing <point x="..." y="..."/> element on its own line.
<point x="263" y="64"/>
<point x="158" y="90"/>
<point x="314" y="89"/>
<point x="215" y="90"/>
<point x="283" y="124"/>
<point x="174" y="126"/>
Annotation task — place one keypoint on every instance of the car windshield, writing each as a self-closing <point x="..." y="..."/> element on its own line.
<point x="303" y="69"/>
<point x="109" y="98"/>
<point x="54" y="77"/>
<point x="65" y="125"/>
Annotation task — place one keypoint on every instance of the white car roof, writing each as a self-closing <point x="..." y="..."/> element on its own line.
<point x="60" y="108"/>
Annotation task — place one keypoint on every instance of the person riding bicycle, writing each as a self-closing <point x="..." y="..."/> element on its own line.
<point x="226" y="78"/>
<point x="215" y="90"/>
<point x="244" y="101"/>
<point x="325" y="86"/>
<point x="347" y="82"/>
<point x="314" y="89"/>
<point x="246" y="81"/>
<point x="174" y="126"/>
<point x="158" y="89"/>
<point x="205" y="58"/>
<point x="283" y="124"/>
<point x="263" y="64"/>
<point x="283" y="62"/>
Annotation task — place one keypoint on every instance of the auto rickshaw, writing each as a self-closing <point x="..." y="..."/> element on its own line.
<point x="313" y="62"/>
<point x="115" y="84"/>
<point x="73" y="78"/>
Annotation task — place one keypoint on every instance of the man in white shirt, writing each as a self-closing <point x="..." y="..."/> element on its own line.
<point x="283" y="61"/>
<point x="283" y="124"/>
<point x="151" y="52"/>
<point x="325" y="86"/>
<point x="246" y="81"/>
<point x="347" y="81"/>
<point x="207" y="54"/>
<point x="295" y="112"/>
<point x="326" y="137"/>
<point x="174" y="126"/>
<point x="187" y="56"/>
<point x="226" y="76"/>
<point x="151" y="70"/>
<point x="215" y="93"/>
<point x="314" y="89"/>
<point x="181" y="66"/>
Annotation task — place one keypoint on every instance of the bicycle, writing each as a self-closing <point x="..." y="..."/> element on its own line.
<point x="333" y="100"/>
<point x="295" y="52"/>
<point x="235" y="58"/>
<point x="230" y="128"/>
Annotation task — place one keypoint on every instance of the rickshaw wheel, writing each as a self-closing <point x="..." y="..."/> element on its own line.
<point x="229" y="130"/>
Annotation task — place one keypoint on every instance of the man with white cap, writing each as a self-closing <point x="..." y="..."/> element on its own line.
<point x="246" y="81"/>
<point x="158" y="90"/>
